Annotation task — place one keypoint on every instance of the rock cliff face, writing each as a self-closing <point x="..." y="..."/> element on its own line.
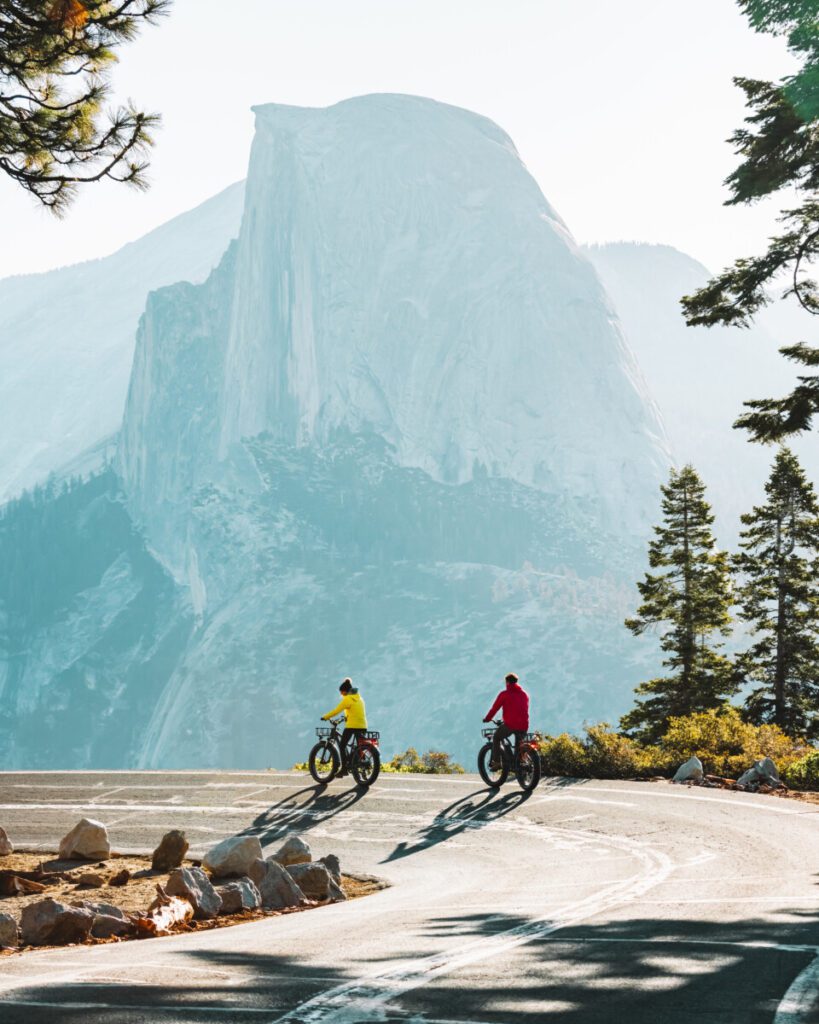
<point x="67" y="342"/>
<point x="396" y="434"/>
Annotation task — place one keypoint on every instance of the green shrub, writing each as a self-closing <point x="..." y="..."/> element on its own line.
<point x="725" y="743"/>
<point x="433" y="762"/>
<point x="564" y="755"/>
<point x="601" y="754"/>
<point x="804" y="773"/>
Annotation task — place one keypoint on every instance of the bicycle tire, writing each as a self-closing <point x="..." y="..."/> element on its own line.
<point x="317" y="767"/>
<point x="528" y="770"/>
<point x="493" y="779"/>
<point x="364" y="775"/>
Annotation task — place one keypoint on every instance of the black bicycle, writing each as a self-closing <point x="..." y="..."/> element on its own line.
<point x="523" y="759"/>
<point x="361" y="757"/>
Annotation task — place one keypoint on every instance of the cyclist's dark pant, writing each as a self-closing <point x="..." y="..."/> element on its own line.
<point x="501" y="734"/>
<point x="347" y="737"/>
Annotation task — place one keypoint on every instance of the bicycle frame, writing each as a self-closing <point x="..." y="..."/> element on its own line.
<point x="508" y="751"/>
<point x="369" y="738"/>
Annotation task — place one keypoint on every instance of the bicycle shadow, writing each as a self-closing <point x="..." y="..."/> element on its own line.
<point x="293" y="814"/>
<point x="463" y="815"/>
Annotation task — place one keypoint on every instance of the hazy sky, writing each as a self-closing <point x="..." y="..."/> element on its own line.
<point x="620" y="108"/>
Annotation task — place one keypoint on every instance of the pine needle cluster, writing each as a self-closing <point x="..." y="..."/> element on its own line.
<point x="55" y="130"/>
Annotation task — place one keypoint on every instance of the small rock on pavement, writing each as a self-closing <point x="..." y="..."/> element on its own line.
<point x="88" y="840"/>
<point x="233" y="856"/>
<point x="171" y="851"/>
<point x="316" y="882"/>
<point x="691" y="771"/>
<point x="239" y="895"/>
<point x="293" y="851"/>
<point x="6" y="845"/>
<point x="120" y="878"/>
<point x="49" y="922"/>
<point x="109" y="920"/>
<point x="8" y="931"/>
<point x="193" y="885"/>
<point x="277" y="888"/>
<point x="333" y="865"/>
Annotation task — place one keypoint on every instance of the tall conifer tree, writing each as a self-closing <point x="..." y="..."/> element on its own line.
<point x="779" y="597"/>
<point x="689" y="597"/>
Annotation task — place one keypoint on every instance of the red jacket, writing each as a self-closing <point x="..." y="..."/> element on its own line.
<point x="515" y="703"/>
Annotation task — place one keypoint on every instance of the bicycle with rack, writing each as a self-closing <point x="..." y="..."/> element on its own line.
<point x="361" y="757"/>
<point x="522" y="758"/>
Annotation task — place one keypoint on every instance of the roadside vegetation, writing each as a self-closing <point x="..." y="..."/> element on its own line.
<point x="433" y="762"/>
<point x="725" y="743"/>
<point x="728" y="710"/>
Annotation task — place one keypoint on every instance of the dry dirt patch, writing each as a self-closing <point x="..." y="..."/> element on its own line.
<point x="60" y="879"/>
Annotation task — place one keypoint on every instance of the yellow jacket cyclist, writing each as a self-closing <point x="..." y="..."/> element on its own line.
<point x="355" y="717"/>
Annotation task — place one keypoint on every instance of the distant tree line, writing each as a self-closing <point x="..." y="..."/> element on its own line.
<point x="693" y="591"/>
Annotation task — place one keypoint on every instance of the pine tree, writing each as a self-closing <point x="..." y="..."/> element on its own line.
<point x="54" y="60"/>
<point x="690" y="597"/>
<point x="779" y="597"/>
<point x="778" y="149"/>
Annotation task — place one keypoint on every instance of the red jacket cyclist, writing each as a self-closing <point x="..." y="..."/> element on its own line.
<point x="515" y="703"/>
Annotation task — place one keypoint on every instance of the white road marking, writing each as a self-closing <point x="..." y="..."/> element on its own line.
<point x="123" y="1008"/>
<point x="365" y="999"/>
<point x="799" y="1002"/>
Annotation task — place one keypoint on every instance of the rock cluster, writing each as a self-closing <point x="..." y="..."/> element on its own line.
<point x="761" y="777"/>
<point x="288" y="878"/>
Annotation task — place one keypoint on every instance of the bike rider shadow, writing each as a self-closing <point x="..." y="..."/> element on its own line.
<point x="293" y="815"/>
<point x="461" y="816"/>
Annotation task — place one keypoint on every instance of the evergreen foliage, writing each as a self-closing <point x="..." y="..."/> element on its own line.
<point x="689" y="597"/>
<point x="55" y="56"/>
<point x="779" y="149"/>
<point x="779" y="597"/>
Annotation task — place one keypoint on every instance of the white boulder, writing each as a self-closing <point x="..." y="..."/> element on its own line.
<point x="691" y="771"/>
<point x="316" y="882"/>
<point x="293" y="851"/>
<point x="193" y="885"/>
<point x="764" y="771"/>
<point x="277" y="888"/>
<point x="239" y="895"/>
<point x="88" y="840"/>
<point x="233" y="856"/>
<point x="6" y="846"/>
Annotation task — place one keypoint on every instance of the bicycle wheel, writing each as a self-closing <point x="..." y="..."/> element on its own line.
<point x="324" y="761"/>
<point x="493" y="779"/>
<point x="366" y="764"/>
<point x="528" y="770"/>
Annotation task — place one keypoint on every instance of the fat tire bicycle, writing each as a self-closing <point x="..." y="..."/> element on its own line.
<point x="522" y="758"/>
<point x="361" y="757"/>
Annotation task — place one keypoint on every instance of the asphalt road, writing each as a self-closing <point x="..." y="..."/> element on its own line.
<point x="583" y="903"/>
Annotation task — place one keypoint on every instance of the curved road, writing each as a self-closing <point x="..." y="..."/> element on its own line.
<point x="584" y="903"/>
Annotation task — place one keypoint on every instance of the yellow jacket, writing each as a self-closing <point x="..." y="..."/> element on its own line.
<point x="355" y="714"/>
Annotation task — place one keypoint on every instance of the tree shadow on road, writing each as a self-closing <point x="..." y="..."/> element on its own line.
<point x="301" y="812"/>
<point x="645" y="970"/>
<point x="474" y="811"/>
<point x="638" y="971"/>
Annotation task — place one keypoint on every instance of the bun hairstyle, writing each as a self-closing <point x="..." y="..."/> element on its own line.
<point x="511" y="678"/>
<point x="346" y="685"/>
